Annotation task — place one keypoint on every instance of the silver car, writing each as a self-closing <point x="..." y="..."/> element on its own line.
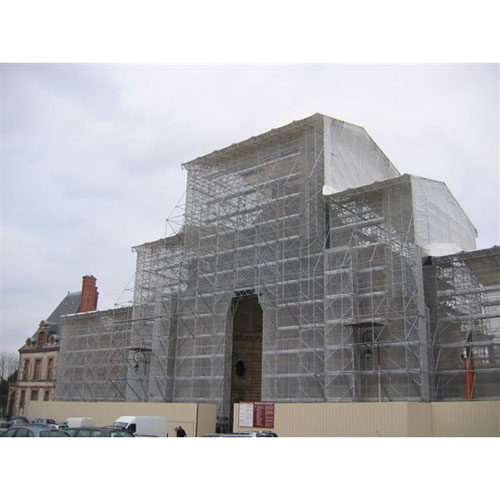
<point x="33" y="431"/>
<point x="244" y="434"/>
<point x="45" y="422"/>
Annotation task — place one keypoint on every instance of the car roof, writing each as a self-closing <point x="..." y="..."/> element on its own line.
<point x="30" y="427"/>
<point x="104" y="427"/>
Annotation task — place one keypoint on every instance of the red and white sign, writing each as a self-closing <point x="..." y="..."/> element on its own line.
<point x="257" y="414"/>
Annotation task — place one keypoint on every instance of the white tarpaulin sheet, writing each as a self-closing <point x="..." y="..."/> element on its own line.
<point x="439" y="220"/>
<point x="439" y="249"/>
<point x="352" y="158"/>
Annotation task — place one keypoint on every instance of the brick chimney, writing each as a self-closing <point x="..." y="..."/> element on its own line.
<point x="88" y="301"/>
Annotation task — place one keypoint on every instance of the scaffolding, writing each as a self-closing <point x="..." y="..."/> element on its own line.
<point x="122" y="354"/>
<point x="464" y="290"/>
<point x="308" y="292"/>
<point x="87" y="369"/>
<point x="375" y="328"/>
<point x="254" y="226"/>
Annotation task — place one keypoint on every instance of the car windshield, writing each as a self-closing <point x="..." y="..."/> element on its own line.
<point x="9" y="433"/>
<point x="52" y="434"/>
<point x="120" y="434"/>
<point x="121" y="425"/>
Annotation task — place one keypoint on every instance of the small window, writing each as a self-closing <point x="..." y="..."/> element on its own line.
<point x="46" y="397"/>
<point x="50" y="363"/>
<point x="26" y="375"/>
<point x="34" y="395"/>
<point x="240" y="368"/>
<point x="22" y="400"/>
<point x="38" y="371"/>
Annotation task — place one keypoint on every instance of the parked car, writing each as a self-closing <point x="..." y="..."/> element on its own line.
<point x="4" y="424"/>
<point x="19" y="420"/>
<point x="98" y="432"/>
<point x="244" y="434"/>
<point x="32" y="431"/>
<point x="45" y="422"/>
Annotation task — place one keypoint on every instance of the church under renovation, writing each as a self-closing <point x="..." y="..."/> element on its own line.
<point x="306" y="269"/>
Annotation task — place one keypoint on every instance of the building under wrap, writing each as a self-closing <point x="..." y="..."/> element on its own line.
<point x="297" y="276"/>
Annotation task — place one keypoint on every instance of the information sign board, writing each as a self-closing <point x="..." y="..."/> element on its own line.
<point x="246" y="415"/>
<point x="257" y="414"/>
<point x="263" y="414"/>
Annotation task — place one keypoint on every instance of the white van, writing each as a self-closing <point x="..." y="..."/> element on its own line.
<point x="145" y="426"/>
<point x="73" y="422"/>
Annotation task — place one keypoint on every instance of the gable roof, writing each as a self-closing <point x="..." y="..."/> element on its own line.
<point x="251" y="143"/>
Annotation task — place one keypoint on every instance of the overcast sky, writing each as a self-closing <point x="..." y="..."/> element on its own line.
<point x="91" y="154"/>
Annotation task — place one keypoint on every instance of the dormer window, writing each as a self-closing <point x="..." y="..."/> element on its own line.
<point x="41" y="338"/>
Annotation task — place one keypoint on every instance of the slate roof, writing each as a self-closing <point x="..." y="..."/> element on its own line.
<point x="68" y="305"/>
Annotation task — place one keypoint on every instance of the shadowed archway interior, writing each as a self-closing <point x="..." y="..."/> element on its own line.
<point x="246" y="365"/>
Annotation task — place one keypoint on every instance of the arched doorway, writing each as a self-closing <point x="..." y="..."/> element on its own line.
<point x="246" y="361"/>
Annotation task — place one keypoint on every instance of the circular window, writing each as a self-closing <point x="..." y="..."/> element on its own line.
<point x="240" y="368"/>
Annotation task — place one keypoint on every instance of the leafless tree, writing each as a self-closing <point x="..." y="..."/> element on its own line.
<point x="8" y="363"/>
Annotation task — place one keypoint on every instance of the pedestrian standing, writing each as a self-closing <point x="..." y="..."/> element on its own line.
<point x="180" y="432"/>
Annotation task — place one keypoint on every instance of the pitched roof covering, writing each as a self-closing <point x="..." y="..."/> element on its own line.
<point x="68" y="305"/>
<point x="249" y="144"/>
<point x="403" y="178"/>
<point x="174" y="240"/>
<point x="374" y="186"/>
